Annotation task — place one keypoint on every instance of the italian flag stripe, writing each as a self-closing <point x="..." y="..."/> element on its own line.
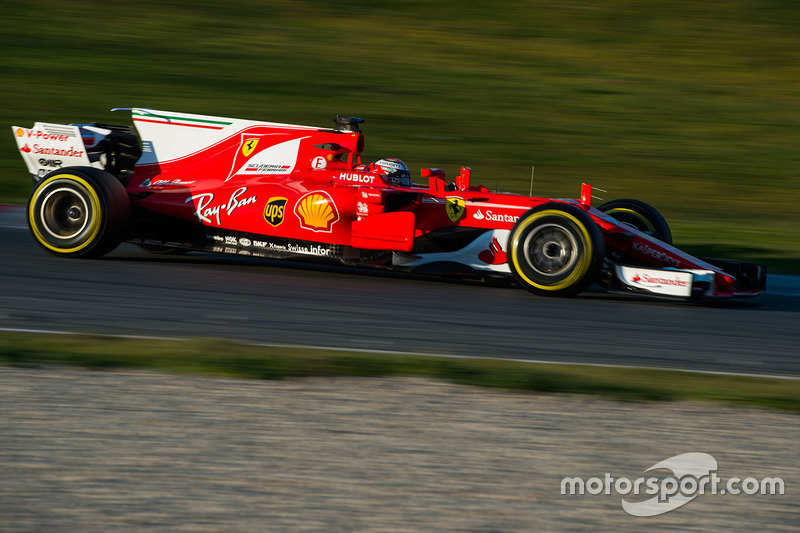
<point x="179" y="124"/>
<point x="183" y="119"/>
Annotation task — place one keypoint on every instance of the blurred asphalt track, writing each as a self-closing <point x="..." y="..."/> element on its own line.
<point x="244" y="299"/>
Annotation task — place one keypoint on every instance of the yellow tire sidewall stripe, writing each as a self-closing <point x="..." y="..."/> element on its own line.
<point x="583" y="262"/>
<point x="636" y="214"/>
<point x="94" y="226"/>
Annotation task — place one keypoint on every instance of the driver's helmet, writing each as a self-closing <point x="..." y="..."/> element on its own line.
<point x="394" y="169"/>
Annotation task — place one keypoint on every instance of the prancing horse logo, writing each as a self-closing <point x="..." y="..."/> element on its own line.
<point x="455" y="208"/>
<point x="248" y="147"/>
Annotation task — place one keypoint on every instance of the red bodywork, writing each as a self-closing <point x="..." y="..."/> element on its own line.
<point x="310" y="185"/>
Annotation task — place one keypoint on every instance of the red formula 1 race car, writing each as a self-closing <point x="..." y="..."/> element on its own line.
<point x="195" y="182"/>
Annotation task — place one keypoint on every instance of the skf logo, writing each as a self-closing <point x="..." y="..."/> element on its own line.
<point x="455" y="208"/>
<point x="248" y="147"/>
<point x="317" y="212"/>
<point x="274" y="211"/>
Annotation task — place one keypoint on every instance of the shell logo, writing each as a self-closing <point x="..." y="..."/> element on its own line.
<point x="317" y="212"/>
<point x="20" y="132"/>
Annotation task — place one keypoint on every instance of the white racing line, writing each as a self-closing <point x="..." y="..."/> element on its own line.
<point x="395" y="352"/>
<point x="12" y="216"/>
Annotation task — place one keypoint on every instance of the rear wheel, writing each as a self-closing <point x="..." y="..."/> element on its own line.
<point x="640" y="216"/>
<point x="79" y="212"/>
<point x="555" y="249"/>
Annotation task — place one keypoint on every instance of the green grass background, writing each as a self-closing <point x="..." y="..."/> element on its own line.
<point x="691" y="106"/>
<point x="211" y="357"/>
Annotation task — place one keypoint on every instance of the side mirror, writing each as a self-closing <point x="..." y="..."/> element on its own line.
<point x="435" y="178"/>
<point x="462" y="181"/>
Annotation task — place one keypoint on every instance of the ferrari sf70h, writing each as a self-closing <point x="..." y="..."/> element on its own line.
<point x="180" y="182"/>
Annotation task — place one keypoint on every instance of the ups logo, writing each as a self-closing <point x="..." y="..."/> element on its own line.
<point x="274" y="211"/>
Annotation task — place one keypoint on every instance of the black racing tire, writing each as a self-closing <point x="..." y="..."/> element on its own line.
<point x="162" y="250"/>
<point x="79" y="212"/>
<point x="555" y="249"/>
<point x="640" y="216"/>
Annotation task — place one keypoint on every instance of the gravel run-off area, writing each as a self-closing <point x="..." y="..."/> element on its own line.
<point x="136" y="451"/>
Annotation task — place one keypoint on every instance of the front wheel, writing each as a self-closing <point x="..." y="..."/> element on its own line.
<point x="555" y="249"/>
<point x="78" y="212"/>
<point x="640" y="216"/>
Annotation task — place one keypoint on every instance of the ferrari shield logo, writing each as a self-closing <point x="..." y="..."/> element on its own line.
<point x="248" y="147"/>
<point x="455" y="208"/>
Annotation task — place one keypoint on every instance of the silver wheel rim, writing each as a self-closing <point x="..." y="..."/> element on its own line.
<point x="64" y="213"/>
<point x="551" y="250"/>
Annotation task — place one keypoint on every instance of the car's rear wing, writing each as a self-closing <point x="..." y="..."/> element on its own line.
<point x="47" y="147"/>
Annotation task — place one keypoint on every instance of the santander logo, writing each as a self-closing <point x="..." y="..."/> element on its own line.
<point x="667" y="282"/>
<point x="646" y="279"/>
<point x="494" y="217"/>
<point x="494" y="255"/>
